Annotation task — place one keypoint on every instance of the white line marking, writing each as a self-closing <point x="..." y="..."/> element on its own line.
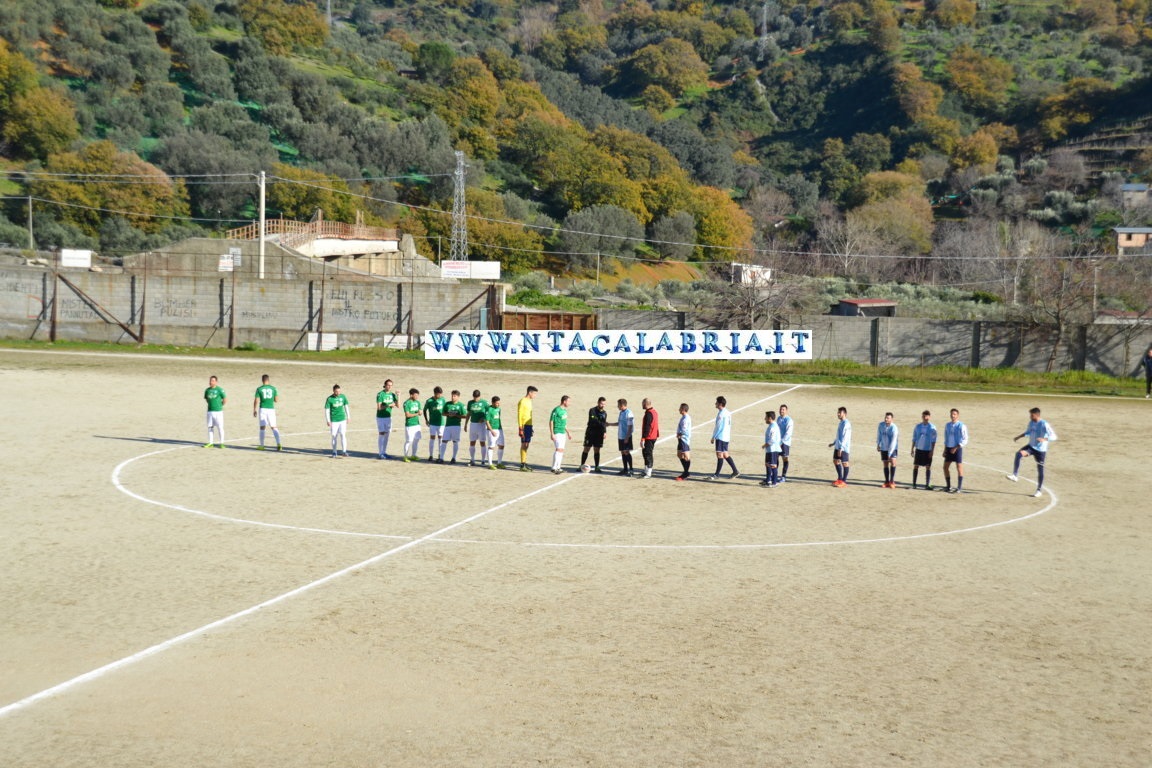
<point x="159" y="647"/>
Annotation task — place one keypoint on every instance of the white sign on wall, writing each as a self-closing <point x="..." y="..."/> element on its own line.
<point x="75" y="257"/>
<point x="618" y="345"/>
<point x="470" y="270"/>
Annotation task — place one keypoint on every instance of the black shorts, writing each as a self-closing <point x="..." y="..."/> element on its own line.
<point x="954" y="455"/>
<point x="771" y="458"/>
<point x="887" y="455"/>
<point x="593" y="440"/>
<point x="1038" y="455"/>
<point x="625" y="444"/>
<point x="721" y="446"/>
<point x="527" y="433"/>
<point x="785" y="449"/>
<point x="682" y="446"/>
<point x="923" y="458"/>
<point x="841" y="456"/>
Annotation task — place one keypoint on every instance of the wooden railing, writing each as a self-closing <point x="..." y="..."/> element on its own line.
<point x="294" y="233"/>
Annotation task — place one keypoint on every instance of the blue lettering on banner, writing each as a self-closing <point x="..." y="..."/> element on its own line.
<point x="499" y="341"/>
<point x="470" y="342"/>
<point x="441" y="341"/>
<point x="575" y="345"/>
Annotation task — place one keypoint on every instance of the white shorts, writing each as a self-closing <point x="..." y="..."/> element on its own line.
<point x="452" y="434"/>
<point x="412" y="433"/>
<point x="559" y="441"/>
<point x="496" y="437"/>
<point x="339" y="428"/>
<point x="477" y="432"/>
<point x="216" y="419"/>
<point x="435" y="430"/>
<point x="268" y="418"/>
<point x="383" y="425"/>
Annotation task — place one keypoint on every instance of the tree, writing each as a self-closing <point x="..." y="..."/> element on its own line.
<point x="723" y="228"/>
<point x="671" y="64"/>
<point x="983" y="82"/>
<point x="1077" y="104"/>
<point x="131" y="187"/>
<point x="282" y="27"/>
<point x="954" y="13"/>
<point x="918" y="97"/>
<point x="674" y="236"/>
<point x="297" y="193"/>
<point x="17" y="76"/>
<point x="434" y="60"/>
<point x="40" y="123"/>
<point x="599" y="229"/>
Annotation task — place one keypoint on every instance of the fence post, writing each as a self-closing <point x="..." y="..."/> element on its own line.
<point x="874" y="342"/>
<point x="977" y="333"/>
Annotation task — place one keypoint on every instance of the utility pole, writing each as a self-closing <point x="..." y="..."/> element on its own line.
<point x="31" y="242"/>
<point x="458" y="250"/>
<point x="263" y="222"/>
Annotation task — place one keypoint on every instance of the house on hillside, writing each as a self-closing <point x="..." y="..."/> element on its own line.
<point x="864" y="308"/>
<point x="1131" y="240"/>
<point x="1134" y="195"/>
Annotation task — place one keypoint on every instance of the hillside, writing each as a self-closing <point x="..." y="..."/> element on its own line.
<point x="825" y="137"/>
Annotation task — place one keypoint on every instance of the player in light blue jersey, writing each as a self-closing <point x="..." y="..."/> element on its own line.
<point x="955" y="438"/>
<point x="923" y="446"/>
<point x="841" y="447"/>
<point x="784" y="421"/>
<point x="1039" y="434"/>
<point x="771" y="448"/>
<point x="624" y="426"/>
<point x="721" y="436"/>
<point x="684" y="441"/>
<point x="887" y="444"/>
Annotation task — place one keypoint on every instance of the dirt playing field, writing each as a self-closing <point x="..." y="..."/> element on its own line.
<point x="169" y="605"/>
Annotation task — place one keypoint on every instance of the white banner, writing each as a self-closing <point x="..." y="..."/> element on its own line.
<point x="618" y="345"/>
<point x="75" y="257"/>
<point x="470" y="270"/>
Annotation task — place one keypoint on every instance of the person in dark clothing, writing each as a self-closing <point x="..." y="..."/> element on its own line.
<point x="594" y="433"/>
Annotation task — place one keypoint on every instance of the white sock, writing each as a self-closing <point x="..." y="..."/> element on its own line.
<point x="455" y="449"/>
<point x="276" y="434"/>
<point x="261" y="438"/>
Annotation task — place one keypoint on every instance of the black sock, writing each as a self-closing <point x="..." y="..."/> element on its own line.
<point x="584" y="458"/>
<point x="845" y="473"/>
<point x="915" y="475"/>
<point x="596" y="453"/>
<point x="719" y="465"/>
<point x="731" y="464"/>
<point x="784" y="469"/>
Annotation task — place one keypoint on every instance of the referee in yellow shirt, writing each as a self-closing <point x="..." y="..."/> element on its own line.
<point x="524" y="426"/>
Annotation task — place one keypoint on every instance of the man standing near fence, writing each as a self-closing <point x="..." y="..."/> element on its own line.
<point x="1146" y="361"/>
<point x="216" y="399"/>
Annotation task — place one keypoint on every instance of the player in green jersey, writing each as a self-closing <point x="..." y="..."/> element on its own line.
<point x="264" y="409"/>
<point x="454" y="413"/>
<point x="411" y="409"/>
<point x="558" y="426"/>
<point x="215" y="398"/>
<point x="477" y="428"/>
<point x="386" y="400"/>
<point x="495" y="434"/>
<point x="336" y="414"/>
<point x="434" y="416"/>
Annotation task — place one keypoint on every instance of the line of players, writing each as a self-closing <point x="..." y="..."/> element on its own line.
<point x="447" y="418"/>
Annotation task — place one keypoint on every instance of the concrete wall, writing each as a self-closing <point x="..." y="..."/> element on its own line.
<point x="197" y="310"/>
<point x="1110" y="348"/>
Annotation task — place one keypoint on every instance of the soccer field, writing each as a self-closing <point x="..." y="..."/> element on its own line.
<point x="168" y="605"/>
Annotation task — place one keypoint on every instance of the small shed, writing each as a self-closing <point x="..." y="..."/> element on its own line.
<point x="864" y="308"/>
<point x="1132" y="195"/>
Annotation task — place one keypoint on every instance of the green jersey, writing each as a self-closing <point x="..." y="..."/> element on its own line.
<point x="266" y="394"/>
<point x="337" y="407"/>
<point x="434" y="411"/>
<point x="411" y="413"/>
<point x="559" y="420"/>
<point x="215" y="397"/>
<point x="477" y="411"/>
<point x="493" y="417"/>
<point x="454" y="413"/>
<point x="385" y="402"/>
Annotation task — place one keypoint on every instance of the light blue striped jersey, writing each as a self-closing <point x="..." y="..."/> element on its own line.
<point x="887" y="437"/>
<point x="684" y="429"/>
<point x="785" y="424"/>
<point x="723" y="428"/>
<point x="924" y="436"/>
<point x="624" y="429"/>
<point x="1036" y="430"/>
<point x="955" y="434"/>
<point x="843" y="436"/>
